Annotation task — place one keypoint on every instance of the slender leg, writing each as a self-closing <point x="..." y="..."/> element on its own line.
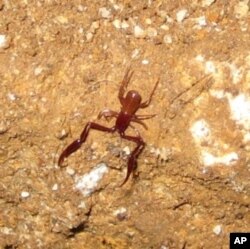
<point x="146" y="103"/>
<point x="139" y="122"/>
<point x="75" y="145"/>
<point x="124" y="84"/>
<point x="143" y="117"/>
<point x="138" y="119"/>
<point x="107" y="114"/>
<point x="132" y="161"/>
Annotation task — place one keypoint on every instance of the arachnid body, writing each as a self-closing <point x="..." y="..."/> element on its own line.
<point x="129" y="106"/>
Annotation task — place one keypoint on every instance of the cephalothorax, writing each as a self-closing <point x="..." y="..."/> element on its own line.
<point x="129" y="106"/>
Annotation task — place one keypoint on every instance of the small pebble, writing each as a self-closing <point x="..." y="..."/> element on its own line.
<point x="82" y="205"/>
<point x="162" y="14"/>
<point x="164" y="247"/>
<point x="117" y="23"/>
<point x="38" y="70"/>
<point x="81" y="8"/>
<point x="62" y="134"/>
<point x="164" y="27"/>
<point x="199" y="58"/>
<point x="120" y="213"/>
<point x="104" y="12"/>
<point x="95" y="25"/>
<point x="55" y="187"/>
<point x="94" y="146"/>
<point x="130" y="233"/>
<point x="139" y="32"/>
<point x="210" y="67"/>
<point x="151" y="32"/>
<point x="126" y="150"/>
<point x="167" y="39"/>
<point x="124" y="25"/>
<point x="135" y="53"/>
<point x="89" y="36"/>
<point x="4" y="42"/>
<point x="25" y="194"/>
<point x="6" y="230"/>
<point x="105" y="46"/>
<point x="70" y="171"/>
<point x="169" y="19"/>
<point x="119" y="210"/>
<point x="148" y="21"/>
<point x="217" y="229"/>
<point x="117" y="6"/>
<point x="62" y="19"/>
<point x="145" y="62"/>
<point x="12" y="96"/>
<point x="81" y="30"/>
<point x="201" y="21"/>
<point x="181" y="15"/>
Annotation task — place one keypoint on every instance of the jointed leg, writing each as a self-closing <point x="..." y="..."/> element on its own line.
<point x="139" y="122"/>
<point x="142" y="117"/>
<point x="75" y="145"/>
<point x="124" y="84"/>
<point x="146" y="103"/>
<point x="138" y="119"/>
<point x="132" y="161"/>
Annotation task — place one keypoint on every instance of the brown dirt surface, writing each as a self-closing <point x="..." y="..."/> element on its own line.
<point x="62" y="62"/>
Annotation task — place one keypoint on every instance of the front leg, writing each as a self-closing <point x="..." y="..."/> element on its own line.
<point x="146" y="103"/>
<point x="127" y="77"/>
<point x="75" y="145"/>
<point x="132" y="161"/>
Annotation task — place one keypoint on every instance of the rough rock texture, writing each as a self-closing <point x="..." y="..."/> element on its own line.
<point x="61" y="62"/>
